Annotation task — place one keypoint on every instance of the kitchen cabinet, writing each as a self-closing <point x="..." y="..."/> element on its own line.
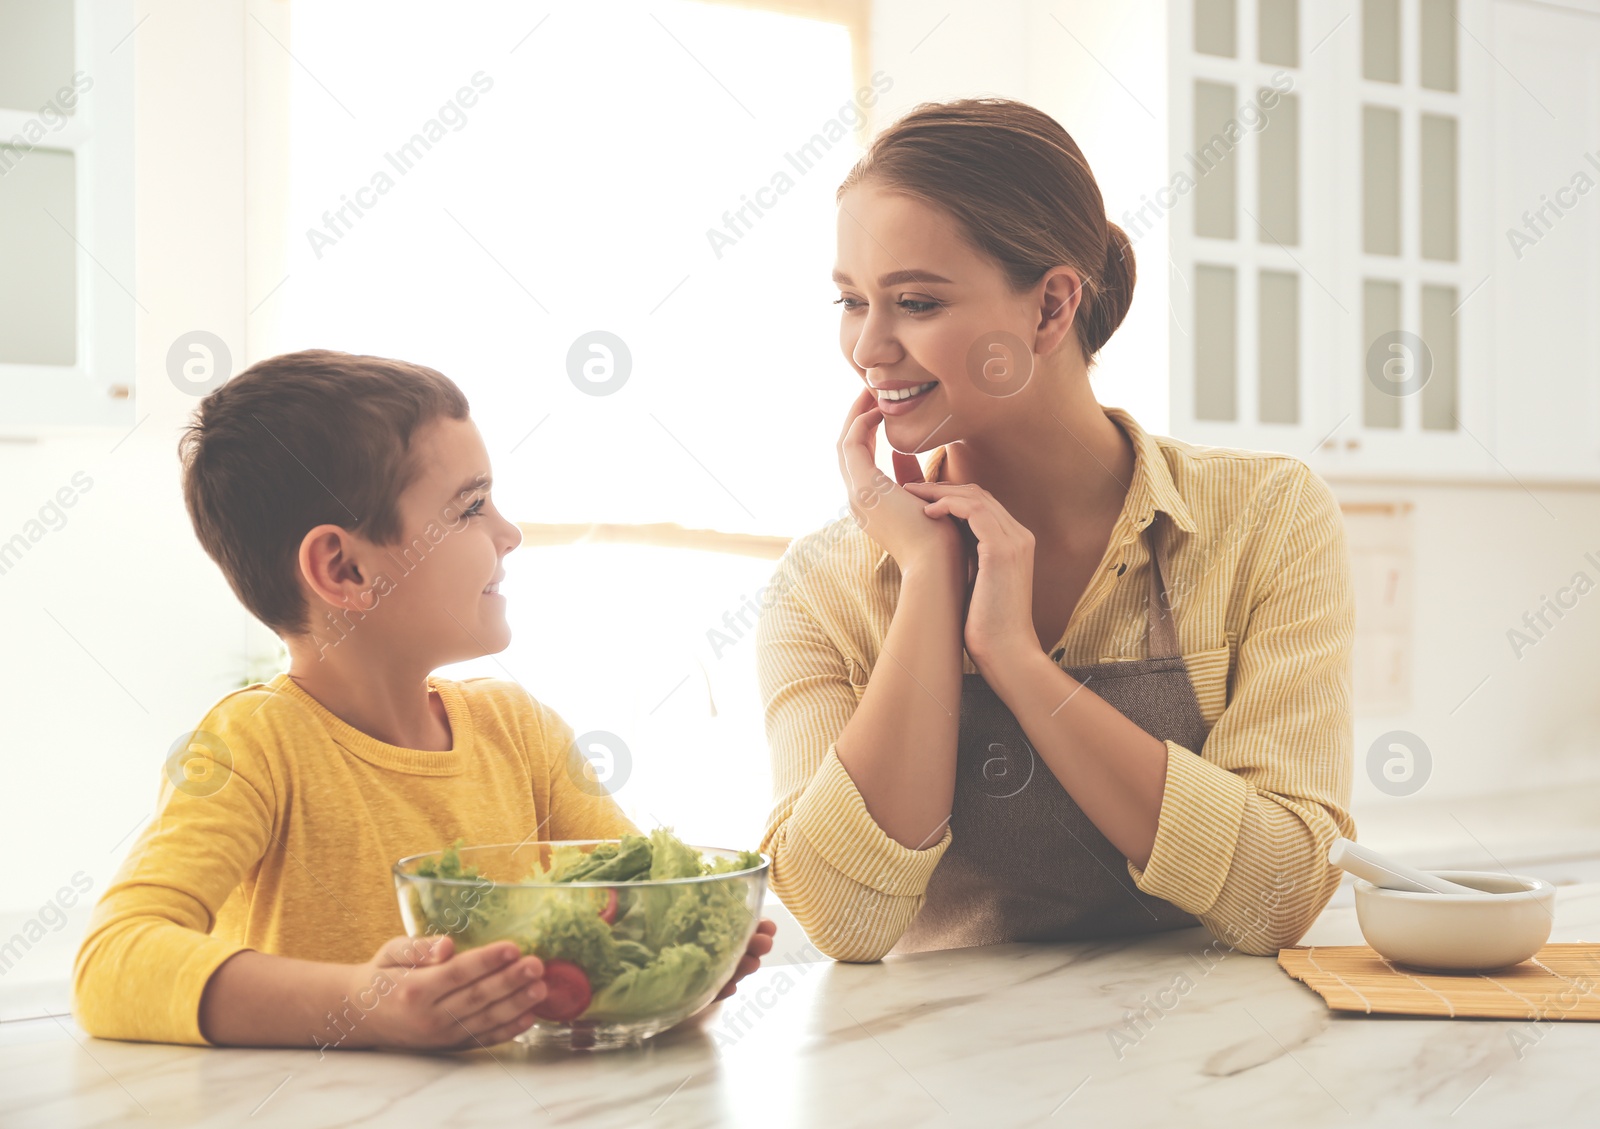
<point x="1346" y="284"/>
<point x="68" y="306"/>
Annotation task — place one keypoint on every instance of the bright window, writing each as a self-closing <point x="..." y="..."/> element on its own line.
<point x="479" y="193"/>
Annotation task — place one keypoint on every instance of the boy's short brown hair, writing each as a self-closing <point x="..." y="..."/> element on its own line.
<point x="301" y="440"/>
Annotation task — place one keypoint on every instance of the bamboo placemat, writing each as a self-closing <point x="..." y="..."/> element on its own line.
<point x="1558" y="982"/>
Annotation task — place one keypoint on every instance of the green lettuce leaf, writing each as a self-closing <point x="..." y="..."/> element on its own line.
<point x="563" y="928"/>
<point x="672" y="857"/>
<point x="629" y="862"/>
<point x="668" y="944"/>
<point x="674" y="978"/>
<point x="447" y="866"/>
<point x="563" y="861"/>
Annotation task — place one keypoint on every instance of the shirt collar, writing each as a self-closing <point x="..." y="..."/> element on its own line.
<point x="1152" y="487"/>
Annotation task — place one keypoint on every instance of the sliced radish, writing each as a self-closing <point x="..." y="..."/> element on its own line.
<point x="608" y="912"/>
<point x="567" y="992"/>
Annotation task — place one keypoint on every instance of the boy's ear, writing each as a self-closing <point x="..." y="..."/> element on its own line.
<point x="329" y="567"/>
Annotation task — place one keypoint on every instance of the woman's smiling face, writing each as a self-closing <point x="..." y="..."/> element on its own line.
<point x="927" y="317"/>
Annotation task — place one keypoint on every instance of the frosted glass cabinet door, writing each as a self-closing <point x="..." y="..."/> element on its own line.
<point x="67" y="277"/>
<point x="38" y="260"/>
<point x="1546" y="265"/>
<point x="36" y="55"/>
<point x="38" y="286"/>
<point x="1340" y="281"/>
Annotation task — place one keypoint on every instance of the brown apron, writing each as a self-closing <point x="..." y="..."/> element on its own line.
<point x="1024" y="862"/>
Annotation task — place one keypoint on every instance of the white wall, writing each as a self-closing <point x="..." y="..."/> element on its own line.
<point x="1484" y="556"/>
<point x="121" y="632"/>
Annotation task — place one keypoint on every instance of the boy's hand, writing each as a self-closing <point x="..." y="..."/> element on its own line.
<point x="431" y="997"/>
<point x="760" y="945"/>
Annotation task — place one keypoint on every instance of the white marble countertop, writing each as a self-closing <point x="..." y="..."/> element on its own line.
<point x="1009" y="1035"/>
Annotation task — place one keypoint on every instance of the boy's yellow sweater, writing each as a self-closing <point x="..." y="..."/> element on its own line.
<point x="281" y="831"/>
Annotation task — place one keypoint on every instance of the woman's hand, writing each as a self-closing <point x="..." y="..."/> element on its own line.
<point x="891" y="516"/>
<point x="1000" y="611"/>
<point x="760" y="945"/>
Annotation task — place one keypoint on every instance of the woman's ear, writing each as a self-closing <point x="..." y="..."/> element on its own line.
<point x="1061" y="291"/>
<point x="329" y="567"/>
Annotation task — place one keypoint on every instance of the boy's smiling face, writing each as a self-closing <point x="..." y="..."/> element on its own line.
<point x="431" y="597"/>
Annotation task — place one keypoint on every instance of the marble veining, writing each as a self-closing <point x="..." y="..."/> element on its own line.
<point x="1133" y="1033"/>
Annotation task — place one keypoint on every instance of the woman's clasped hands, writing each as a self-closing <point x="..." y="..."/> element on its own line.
<point x="886" y="511"/>
<point x="944" y="525"/>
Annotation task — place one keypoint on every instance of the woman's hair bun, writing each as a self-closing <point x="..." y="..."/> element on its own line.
<point x="1109" y="304"/>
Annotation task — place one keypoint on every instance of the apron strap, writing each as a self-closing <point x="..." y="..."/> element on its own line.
<point x="1163" y="628"/>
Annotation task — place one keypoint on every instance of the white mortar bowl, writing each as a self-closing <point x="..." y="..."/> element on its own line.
<point x="1505" y="925"/>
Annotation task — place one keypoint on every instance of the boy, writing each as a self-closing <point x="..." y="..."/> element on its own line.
<point x="347" y="500"/>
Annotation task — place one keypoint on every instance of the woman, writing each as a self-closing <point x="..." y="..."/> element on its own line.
<point x="1082" y="681"/>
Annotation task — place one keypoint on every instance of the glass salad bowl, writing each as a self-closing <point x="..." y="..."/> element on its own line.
<point x="635" y="934"/>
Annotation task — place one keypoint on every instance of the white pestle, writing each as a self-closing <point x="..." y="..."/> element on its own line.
<point x="1386" y="873"/>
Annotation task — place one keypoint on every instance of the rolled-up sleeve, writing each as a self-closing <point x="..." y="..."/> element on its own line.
<point x="852" y="887"/>
<point x="1243" y="835"/>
